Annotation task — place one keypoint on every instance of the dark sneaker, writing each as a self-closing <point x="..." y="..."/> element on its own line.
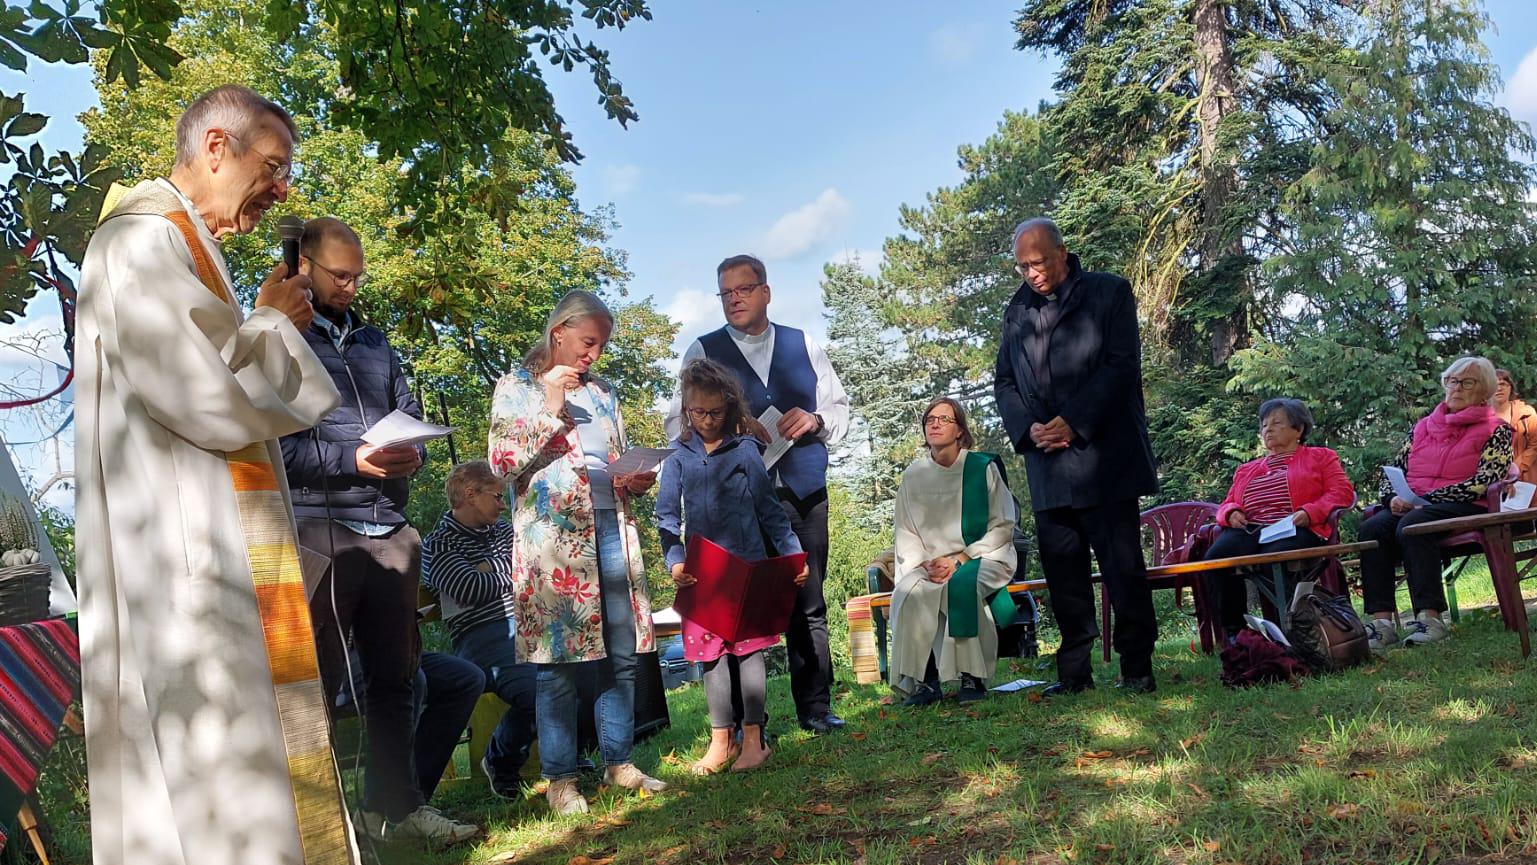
<point x="926" y="695"/>
<point x="972" y="689"/>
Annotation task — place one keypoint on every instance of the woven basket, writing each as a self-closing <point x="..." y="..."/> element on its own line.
<point x="24" y="594"/>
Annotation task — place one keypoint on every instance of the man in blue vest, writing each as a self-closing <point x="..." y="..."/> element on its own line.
<point x="784" y="368"/>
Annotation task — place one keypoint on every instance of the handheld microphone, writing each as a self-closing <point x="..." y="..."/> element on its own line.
<point x="290" y="230"/>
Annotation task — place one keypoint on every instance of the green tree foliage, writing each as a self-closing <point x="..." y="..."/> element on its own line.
<point x="928" y="325"/>
<point x="1413" y="237"/>
<point x="435" y="88"/>
<point x="461" y="305"/>
<point x="1313" y="199"/>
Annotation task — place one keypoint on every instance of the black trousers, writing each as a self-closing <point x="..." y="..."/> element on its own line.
<point x="1113" y="532"/>
<point x="374" y="582"/>
<point x="811" y="662"/>
<point x="1229" y="591"/>
<point x="1420" y="555"/>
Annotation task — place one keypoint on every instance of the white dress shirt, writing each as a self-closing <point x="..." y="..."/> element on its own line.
<point x="832" y="400"/>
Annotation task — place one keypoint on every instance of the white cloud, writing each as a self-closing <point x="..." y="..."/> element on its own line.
<point x="807" y="227"/>
<point x="695" y="311"/>
<point x="715" y="199"/>
<point x="620" y="179"/>
<point x="954" y="43"/>
<point x="1520" y="94"/>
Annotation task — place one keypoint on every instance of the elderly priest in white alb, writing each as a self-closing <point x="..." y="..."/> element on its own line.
<point x="205" y="720"/>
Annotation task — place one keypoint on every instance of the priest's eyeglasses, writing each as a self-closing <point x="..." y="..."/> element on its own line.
<point x="282" y="172"/>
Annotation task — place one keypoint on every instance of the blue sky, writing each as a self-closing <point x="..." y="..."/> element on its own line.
<point x="793" y="130"/>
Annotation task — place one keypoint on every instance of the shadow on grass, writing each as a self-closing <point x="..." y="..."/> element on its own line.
<point x="1421" y="756"/>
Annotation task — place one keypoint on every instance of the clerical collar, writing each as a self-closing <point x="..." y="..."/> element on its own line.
<point x="191" y="209"/>
<point x="744" y="336"/>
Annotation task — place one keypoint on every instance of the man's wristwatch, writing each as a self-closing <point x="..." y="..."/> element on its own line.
<point x="821" y="424"/>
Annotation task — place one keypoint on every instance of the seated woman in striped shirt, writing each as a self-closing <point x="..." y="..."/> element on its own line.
<point x="1292" y="482"/>
<point x="467" y="563"/>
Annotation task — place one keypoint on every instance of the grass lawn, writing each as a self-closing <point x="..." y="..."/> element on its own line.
<point x="1420" y="756"/>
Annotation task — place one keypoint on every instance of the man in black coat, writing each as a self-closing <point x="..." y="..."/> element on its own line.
<point x="1069" y="387"/>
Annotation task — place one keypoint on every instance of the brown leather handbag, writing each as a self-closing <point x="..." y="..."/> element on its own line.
<point x="1325" y="632"/>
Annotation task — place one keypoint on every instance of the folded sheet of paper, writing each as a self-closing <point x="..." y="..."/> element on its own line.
<point x="778" y="444"/>
<point x="398" y="428"/>
<point x="1401" y="485"/>
<point x="1519" y="498"/>
<point x="639" y="461"/>
<point x="1268" y="628"/>
<point x="1283" y="528"/>
<point x="1017" y="685"/>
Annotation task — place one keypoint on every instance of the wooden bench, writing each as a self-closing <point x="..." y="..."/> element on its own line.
<point x="868" y="616"/>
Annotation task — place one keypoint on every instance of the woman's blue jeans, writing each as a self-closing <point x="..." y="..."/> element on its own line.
<point x="558" y="697"/>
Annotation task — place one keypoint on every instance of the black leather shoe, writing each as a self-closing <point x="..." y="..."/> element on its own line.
<point x="826" y="722"/>
<point x="1138" y="685"/>
<point x="1062" y="689"/>
<point x="926" y="695"/>
<point x="972" y="689"/>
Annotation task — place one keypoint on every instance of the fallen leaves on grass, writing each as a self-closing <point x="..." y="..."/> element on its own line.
<point x="778" y="852"/>
<point x="930" y="759"/>
<point x="1212" y="846"/>
<point x="1364" y="774"/>
<point x="1191" y="741"/>
<point x="1033" y="697"/>
<point x="859" y="737"/>
<point x="821" y="809"/>
<point x="588" y="860"/>
<point x="1344" y="811"/>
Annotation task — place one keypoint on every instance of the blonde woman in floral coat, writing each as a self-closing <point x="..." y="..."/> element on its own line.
<point x="582" y="606"/>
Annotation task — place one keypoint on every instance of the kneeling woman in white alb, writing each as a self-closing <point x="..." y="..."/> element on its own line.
<point x="954" y="552"/>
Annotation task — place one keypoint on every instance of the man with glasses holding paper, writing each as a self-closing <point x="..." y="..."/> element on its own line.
<point x="795" y="393"/>
<point x="349" y="498"/>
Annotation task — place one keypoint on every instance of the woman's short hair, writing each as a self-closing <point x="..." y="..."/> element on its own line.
<point x="1504" y="375"/>
<point x="1478" y="368"/>
<point x="967" y="441"/>
<point x="707" y="376"/>
<point x="1297" y="415"/>
<point x="469" y="478"/>
<point x="573" y="309"/>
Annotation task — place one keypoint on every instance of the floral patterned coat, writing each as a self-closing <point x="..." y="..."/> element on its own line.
<point x="558" y="609"/>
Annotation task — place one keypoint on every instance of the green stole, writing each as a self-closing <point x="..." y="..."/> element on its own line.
<point x="964" y="615"/>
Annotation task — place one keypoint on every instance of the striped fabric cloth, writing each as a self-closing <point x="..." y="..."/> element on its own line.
<point x="39" y="678"/>
<point x="470" y="570"/>
<point x="285" y="617"/>
<point x="1267" y="497"/>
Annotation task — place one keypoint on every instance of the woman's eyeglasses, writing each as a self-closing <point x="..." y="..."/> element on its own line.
<point x="702" y="413"/>
<point x="1459" y="383"/>
<point x="939" y="421"/>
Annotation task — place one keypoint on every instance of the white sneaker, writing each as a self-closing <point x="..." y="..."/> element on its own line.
<point x="1425" y="629"/>
<point x="1381" y="635"/>
<point x="428" y="824"/>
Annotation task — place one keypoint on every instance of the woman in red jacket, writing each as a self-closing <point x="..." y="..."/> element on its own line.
<point x="1292" y="483"/>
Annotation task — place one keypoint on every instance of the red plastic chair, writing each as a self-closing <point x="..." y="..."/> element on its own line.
<point x="1167" y="533"/>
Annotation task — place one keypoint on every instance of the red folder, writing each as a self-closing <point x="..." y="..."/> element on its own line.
<point x="735" y="599"/>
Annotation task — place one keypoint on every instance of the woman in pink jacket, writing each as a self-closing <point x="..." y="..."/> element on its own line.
<point x="1293" y="483"/>
<point x="1449" y="461"/>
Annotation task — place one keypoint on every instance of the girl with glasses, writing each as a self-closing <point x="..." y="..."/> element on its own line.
<point x="715" y="486"/>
